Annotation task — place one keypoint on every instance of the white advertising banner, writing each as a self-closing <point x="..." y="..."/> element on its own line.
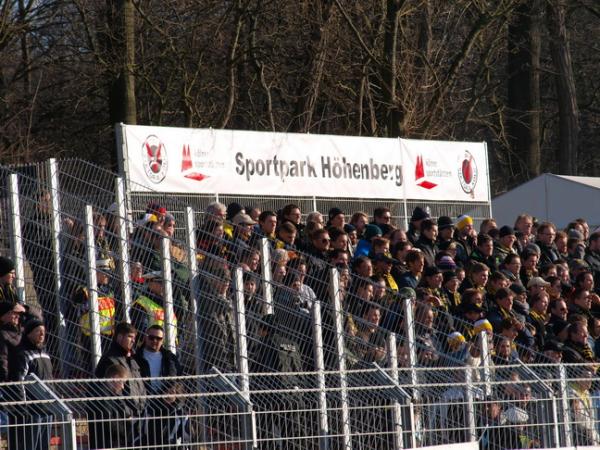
<point x="439" y="170"/>
<point x="208" y="161"/>
<point x="257" y="163"/>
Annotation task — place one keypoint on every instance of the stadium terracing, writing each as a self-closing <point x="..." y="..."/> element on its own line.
<point x="352" y="381"/>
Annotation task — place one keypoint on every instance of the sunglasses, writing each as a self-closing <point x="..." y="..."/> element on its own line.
<point x="154" y="338"/>
<point x="325" y="240"/>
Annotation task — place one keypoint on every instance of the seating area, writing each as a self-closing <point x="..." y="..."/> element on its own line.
<point x="294" y="327"/>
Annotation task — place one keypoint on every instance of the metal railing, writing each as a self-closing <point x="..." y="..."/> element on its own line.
<point x="214" y="412"/>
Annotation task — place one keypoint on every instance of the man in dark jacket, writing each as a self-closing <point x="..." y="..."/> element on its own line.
<point x="31" y="424"/>
<point x="155" y="361"/>
<point x="545" y="241"/>
<point x="592" y="257"/>
<point x="10" y="335"/>
<point x="427" y="241"/>
<point x="30" y="356"/>
<point x="120" y="353"/>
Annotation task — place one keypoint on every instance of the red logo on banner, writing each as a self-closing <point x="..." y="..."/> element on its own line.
<point x="468" y="174"/>
<point x="187" y="165"/>
<point x="420" y="173"/>
<point x="154" y="156"/>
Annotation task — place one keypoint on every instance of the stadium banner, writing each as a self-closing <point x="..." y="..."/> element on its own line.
<point x="209" y="161"/>
<point x="439" y="170"/>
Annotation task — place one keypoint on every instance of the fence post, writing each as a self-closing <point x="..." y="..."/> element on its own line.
<point x="335" y="295"/>
<point x="17" y="237"/>
<point x="92" y="286"/>
<point x="265" y="261"/>
<point x="564" y="397"/>
<point x="320" y="367"/>
<point x="409" y="332"/>
<point x="470" y="404"/>
<point x="170" y="329"/>
<point x="123" y="246"/>
<point x="242" y="354"/>
<point x="190" y="235"/>
<point x="485" y="358"/>
<point x="397" y="412"/>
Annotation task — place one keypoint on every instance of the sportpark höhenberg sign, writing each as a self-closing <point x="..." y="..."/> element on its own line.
<point x="177" y="160"/>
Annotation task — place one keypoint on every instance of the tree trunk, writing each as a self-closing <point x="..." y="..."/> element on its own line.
<point x="122" y="103"/>
<point x="309" y="88"/>
<point x="394" y="113"/>
<point x="524" y="49"/>
<point x="568" y="110"/>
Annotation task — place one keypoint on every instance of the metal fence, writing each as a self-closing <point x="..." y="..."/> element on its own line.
<point x="320" y="356"/>
<point x="214" y="412"/>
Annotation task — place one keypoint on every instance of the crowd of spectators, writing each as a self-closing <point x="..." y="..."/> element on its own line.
<point x="531" y="287"/>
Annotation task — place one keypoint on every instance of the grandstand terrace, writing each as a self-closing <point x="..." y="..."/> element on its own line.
<point x="287" y="329"/>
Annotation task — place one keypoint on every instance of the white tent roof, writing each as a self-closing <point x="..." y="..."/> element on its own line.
<point x="555" y="198"/>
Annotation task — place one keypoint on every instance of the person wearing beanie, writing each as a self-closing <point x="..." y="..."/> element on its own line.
<point x="446" y="229"/>
<point x="450" y="285"/>
<point x="336" y="219"/>
<point x="364" y="244"/>
<point x="414" y="227"/>
<point x="30" y="356"/>
<point x="8" y="292"/>
<point x="10" y="335"/>
<point x="504" y="246"/>
<point x="465" y="237"/>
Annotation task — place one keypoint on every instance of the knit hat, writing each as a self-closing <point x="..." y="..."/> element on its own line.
<point x="537" y="281"/>
<point x="463" y="221"/>
<point x="335" y="212"/>
<point x="482" y="325"/>
<point x="517" y="289"/>
<point x="575" y="234"/>
<point x="558" y="326"/>
<point x="449" y="275"/>
<point x="506" y="231"/>
<point x="445" y="222"/>
<point x="446" y="263"/>
<point x="8" y="306"/>
<point x="371" y="231"/>
<point x="456" y="341"/>
<point x="6" y="265"/>
<point x="349" y="228"/>
<point x="31" y="325"/>
<point x="419" y="214"/>
<point x="431" y="271"/>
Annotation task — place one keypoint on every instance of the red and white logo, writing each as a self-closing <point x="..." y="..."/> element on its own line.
<point x="154" y="156"/>
<point x="420" y="175"/>
<point x="187" y="166"/>
<point x="468" y="173"/>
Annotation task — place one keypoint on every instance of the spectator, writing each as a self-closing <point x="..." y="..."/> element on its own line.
<point x="267" y="224"/>
<point x="7" y="278"/>
<point x="30" y="355"/>
<point x="337" y="218"/>
<point x="483" y="252"/>
<point x="545" y="240"/>
<point x="364" y="244"/>
<point x="10" y="335"/>
<point x="414" y="227"/>
<point x="529" y="260"/>
<point x="446" y="229"/>
<point x="382" y="266"/>
<point x="242" y="233"/>
<point x="155" y="361"/>
<point x="286" y="235"/>
<point x="427" y="241"/>
<point x="577" y="349"/>
<point x="37" y="245"/>
<point x="582" y="408"/>
<point x="415" y="262"/>
<point x="504" y="246"/>
<point x="216" y="320"/>
<point x="592" y="256"/>
<point x="465" y="238"/>
<point x="110" y="420"/>
<point x="511" y="268"/>
<point x="537" y="317"/>
<point x="359" y="220"/>
<point x="362" y="266"/>
<point x="149" y="308"/>
<point x="253" y="212"/>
